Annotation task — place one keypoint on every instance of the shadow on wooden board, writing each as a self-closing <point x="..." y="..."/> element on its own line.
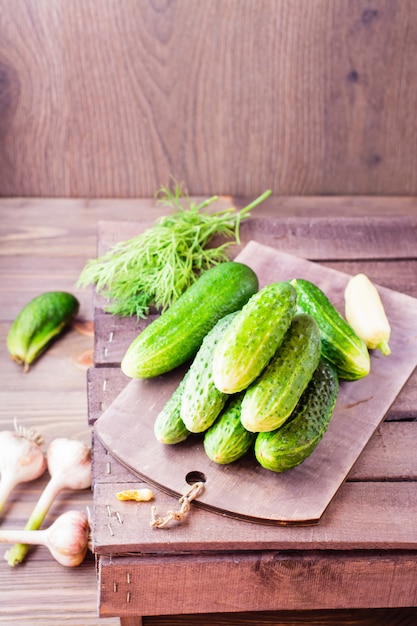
<point x="357" y="617"/>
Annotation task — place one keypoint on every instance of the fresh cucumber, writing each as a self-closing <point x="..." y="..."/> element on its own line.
<point x="227" y="440"/>
<point x="175" y="336"/>
<point x="340" y="344"/>
<point x="253" y="337"/>
<point x="201" y="399"/>
<point x="38" y="324"/>
<point x="290" y="445"/>
<point x="169" y="427"/>
<point x="272" y="397"/>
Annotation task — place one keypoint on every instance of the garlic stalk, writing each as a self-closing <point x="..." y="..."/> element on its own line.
<point x="365" y="313"/>
<point x="69" y="464"/>
<point x="66" y="539"/>
<point x="21" y="459"/>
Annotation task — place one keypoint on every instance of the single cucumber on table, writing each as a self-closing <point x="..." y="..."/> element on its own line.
<point x="175" y="336"/>
<point x="169" y="427"/>
<point x="227" y="440"/>
<point x="201" y="400"/>
<point x="38" y="324"/>
<point x="253" y="337"/>
<point x="272" y="397"/>
<point x="291" y="444"/>
<point x="340" y="344"/>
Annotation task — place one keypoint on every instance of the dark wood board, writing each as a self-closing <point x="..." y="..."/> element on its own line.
<point x="244" y="489"/>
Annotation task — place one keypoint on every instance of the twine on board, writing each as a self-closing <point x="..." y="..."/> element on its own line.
<point x="178" y="516"/>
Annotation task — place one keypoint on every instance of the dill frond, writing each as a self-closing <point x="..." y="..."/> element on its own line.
<point x="155" y="267"/>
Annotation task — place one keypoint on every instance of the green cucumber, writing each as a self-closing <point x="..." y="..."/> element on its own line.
<point x="227" y="440"/>
<point x="201" y="400"/>
<point x="292" y="443"/>
<point x="38" y="324"/>
<point x="340" y="344"/>
<point x="272" y="397"/>
<point x="253" y="337"/>
<point x="169" y="427"/>
<point x="175" y="336"/>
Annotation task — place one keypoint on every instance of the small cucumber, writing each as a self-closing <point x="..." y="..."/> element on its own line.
<point x="38" y="323"/>
<point x="227" y="440"/>
<point x="253" y="337"/>
<point x="175" y="336"/>
<point x="169" y="427"/>
<point x="290" y="445"/>
<point x="201" y="400"/>
<point x="340" y="344"/>
<point x="272" y="397"/>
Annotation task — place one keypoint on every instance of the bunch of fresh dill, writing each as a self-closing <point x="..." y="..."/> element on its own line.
<point x="155" y="267"/>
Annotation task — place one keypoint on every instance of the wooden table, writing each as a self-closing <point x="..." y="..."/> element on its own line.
<point x="358" y="565"/>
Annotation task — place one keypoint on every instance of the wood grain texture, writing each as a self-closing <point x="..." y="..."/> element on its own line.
<point x="270" y="580"/>
<point x="105" y="98"/>
<point x="363" y="516"/>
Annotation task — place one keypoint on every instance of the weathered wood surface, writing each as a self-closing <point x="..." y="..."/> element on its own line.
<point x="271" y="580"/>
<point x="356" y="520"/>
<point x="44" y="244"/>
<point x="312" y="97"/>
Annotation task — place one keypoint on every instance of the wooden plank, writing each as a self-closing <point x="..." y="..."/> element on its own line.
<point x="158" y="584"/>
<point x="346" y="119"/>
<point x="317" y="239"/>
<point x="363" y="515"/>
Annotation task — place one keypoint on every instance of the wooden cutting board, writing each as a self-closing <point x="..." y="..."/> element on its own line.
<point x="244" y="489"/>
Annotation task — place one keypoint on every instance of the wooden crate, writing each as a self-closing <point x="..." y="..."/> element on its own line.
<point x="363" y="551"/>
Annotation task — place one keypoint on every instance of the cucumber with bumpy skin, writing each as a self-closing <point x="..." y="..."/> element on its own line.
<point x="169" y="427"/>
<point x="38" y="324"/>
<point x="201" y="400"/>
<point x="272" y="397"/>
<point x="253" y="337"/>
<point x="227" y="440"/>
<point x="291" y="444"/>
<point x="340" y="344"/>
<point x="175" y="336"/>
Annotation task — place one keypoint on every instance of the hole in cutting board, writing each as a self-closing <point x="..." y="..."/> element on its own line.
<point x="195" y="477"/>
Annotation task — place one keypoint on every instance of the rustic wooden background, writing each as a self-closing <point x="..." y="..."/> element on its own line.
<point x="108" y="98"/>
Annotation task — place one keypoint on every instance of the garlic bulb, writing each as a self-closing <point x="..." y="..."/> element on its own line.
<point x="69" y="464"/>
<point x="66" y="539"/>
<point x="21" y="459"/>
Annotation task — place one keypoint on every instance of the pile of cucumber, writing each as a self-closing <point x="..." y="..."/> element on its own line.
<point x="264" y="365"/>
